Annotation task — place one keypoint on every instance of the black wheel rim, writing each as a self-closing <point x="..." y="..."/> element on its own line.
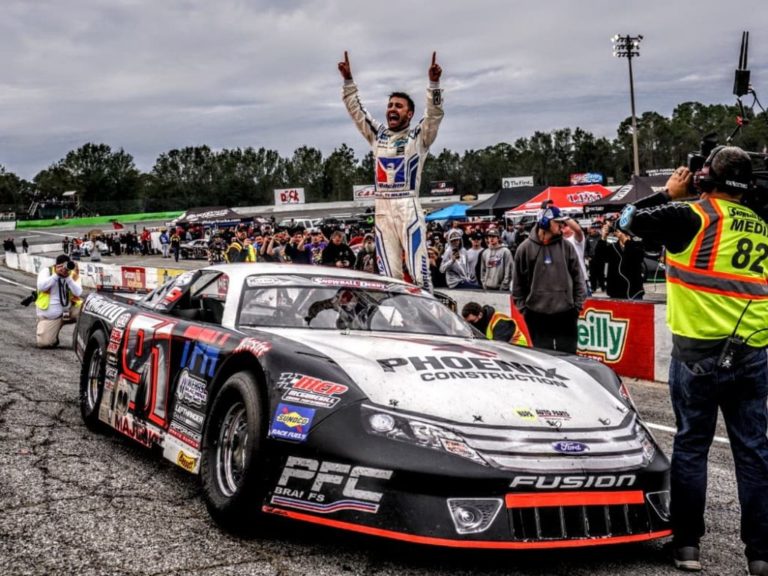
<point x="94" y="378"/>
<point x="232" y="449"/>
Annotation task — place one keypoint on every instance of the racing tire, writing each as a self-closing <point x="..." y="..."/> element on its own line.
<point x="231" y="469"/>
<point x="92" y="374"/>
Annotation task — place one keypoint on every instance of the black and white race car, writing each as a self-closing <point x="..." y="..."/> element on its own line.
<point x="363" y="403"/>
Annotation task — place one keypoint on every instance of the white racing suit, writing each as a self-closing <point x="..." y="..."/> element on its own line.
<point x="399" y="158"/>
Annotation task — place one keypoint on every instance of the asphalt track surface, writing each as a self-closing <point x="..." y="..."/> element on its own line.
<point x="77" y="503"/>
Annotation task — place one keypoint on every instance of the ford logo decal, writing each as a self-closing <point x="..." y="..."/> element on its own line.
<point x="570" y="447"/>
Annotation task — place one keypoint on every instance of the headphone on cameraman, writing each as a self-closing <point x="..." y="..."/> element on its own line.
<point x="706" y="179"/>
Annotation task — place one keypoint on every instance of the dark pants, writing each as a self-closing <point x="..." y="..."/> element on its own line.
<point x="697" y="390"/>
<point x="557" y="331"/>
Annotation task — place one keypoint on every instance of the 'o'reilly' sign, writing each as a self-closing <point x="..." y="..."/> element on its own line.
<point x="602" y="335"/>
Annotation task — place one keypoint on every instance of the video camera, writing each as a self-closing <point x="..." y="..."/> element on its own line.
<point x="756" y="197"/>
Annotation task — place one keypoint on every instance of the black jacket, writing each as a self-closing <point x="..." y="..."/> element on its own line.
<point x="625" y="268"/>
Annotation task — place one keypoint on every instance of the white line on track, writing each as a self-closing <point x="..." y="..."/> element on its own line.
<point x="672" y="430"/>
<point x="16" y="283"/>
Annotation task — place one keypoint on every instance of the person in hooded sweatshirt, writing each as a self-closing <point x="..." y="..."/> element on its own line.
<point x="495" y="263"/>
<point x="548" y="286"/>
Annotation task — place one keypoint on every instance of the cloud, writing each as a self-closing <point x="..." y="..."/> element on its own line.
<point x="150" y="76"/>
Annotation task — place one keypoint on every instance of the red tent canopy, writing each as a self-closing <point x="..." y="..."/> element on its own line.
<point x="568" y="198"/>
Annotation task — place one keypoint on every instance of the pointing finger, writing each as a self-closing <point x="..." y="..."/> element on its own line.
<point x="434" y="57"/>
<point x="346" y="57"/>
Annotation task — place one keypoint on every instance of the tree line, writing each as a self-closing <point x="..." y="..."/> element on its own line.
<point x="108" y="181"/>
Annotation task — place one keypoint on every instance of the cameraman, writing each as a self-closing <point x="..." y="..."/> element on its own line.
<point x="717" y="299"/>
<point x="58" y="300"/>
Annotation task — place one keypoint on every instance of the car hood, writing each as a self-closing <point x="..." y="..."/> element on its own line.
<point x="467" y="381"/>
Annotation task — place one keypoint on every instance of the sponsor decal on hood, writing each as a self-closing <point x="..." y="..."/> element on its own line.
<point x="456" y="379"/>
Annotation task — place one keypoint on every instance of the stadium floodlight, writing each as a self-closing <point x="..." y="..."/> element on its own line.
<point x="629" y="47"/>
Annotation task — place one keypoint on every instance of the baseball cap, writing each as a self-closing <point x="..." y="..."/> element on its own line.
<point x="454" y="235"/>
<point x="62" y="258"/>
<point x="477" y="236"/>
<point x="553" y="213"/>
<point x="367" y="237"/>
<point x="492" y="232"/>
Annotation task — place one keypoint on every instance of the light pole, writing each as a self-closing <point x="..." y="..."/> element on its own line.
<point x="628" y="47"/>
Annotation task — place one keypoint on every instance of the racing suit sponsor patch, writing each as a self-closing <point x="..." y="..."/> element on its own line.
<point x="390" y="172"/>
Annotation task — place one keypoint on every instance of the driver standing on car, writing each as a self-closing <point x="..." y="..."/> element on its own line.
<point x="399" y="151"/>
<point x="58" y="300"/>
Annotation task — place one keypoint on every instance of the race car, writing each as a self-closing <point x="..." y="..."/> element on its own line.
<point x="363" y="403"/>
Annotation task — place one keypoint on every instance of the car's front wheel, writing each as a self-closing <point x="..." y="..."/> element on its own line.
<point x="92" y="380"/>
<point x="231" y="469"/>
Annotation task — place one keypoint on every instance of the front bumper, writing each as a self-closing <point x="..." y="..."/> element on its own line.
<point x="347" y="479"/>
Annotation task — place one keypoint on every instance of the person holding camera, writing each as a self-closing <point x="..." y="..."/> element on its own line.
<point x="717" y="305"/>
<point x="337" y="252"/>
<point x="455" y="264"/>
<point x="624" y="257"/>
<point x="58" y="300"/>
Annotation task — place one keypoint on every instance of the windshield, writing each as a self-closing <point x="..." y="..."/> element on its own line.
<point x="348" y="308"/>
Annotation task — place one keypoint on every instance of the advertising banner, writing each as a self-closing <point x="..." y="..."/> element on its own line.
<point x="285" y="196"/>
<point x="619" y="333"/>
<point x="441" y="188"/>
<point x="516" y="181"/>
<point x="364" y="193"/>
<point x="586" y="178"/>
<point x="134" y="277"/>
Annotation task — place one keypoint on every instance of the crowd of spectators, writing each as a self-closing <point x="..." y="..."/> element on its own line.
<point x="462" y="254"/>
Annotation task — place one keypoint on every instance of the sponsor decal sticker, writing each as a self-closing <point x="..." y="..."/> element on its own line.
<point x="256" y="347"/>
<point x="567" y="447"/>
<point x="100" y="306"/>
<point x="349" y="283"/>
<point x="191" y="390"/>
<point x="525" y="413"/>
<point x="191" y="419"/>
<point x="122" y="321"/>
<point x="182" y="433"/>
<point x="137" y="430"/>
<point x="433" y="368"/>
<point x="292" y="422"/>
<point x="326" y="487"/>
<point x="552" y="414"/>
<point x="573" y="482"/>
<point x="304" y="389"/>
<point x="189" y="463"/>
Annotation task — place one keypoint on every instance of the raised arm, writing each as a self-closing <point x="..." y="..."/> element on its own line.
<point x="434" y="113"/>
<point x="366" y="124"/>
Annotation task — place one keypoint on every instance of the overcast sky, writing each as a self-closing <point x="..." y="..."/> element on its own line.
<point x="152" y="75"/>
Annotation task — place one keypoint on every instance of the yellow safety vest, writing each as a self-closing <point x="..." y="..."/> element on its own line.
<point x="723" y="268"/>
<point x="518" y="338"/>
<point x="43" y="299"/>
